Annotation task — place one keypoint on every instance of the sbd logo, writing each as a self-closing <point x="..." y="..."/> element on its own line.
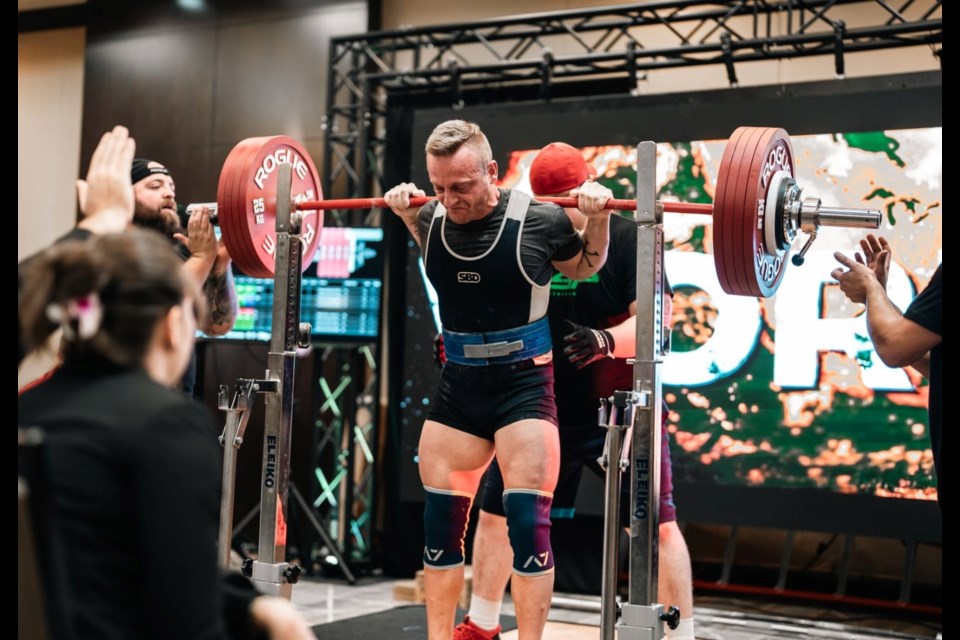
<point x="468" y="277"/>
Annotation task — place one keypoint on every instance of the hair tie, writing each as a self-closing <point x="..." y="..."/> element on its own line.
<point x="86" y="311"/>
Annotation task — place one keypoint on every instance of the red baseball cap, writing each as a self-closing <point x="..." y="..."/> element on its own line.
<point x="558" y="167"/>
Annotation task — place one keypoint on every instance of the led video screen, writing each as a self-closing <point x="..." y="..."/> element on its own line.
<point x="340" y="293"/>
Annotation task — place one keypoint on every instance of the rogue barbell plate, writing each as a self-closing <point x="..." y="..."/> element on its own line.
<point x="745" y="218"/>
<point x="752" y="156"/>
<point x="224" y="187"/>
<point x="232" y="217"/>
<point x="774" y="153"/>
<point x="728" y="212"/>
<point x="229" y="224"/>
<point x="240" y="217"/>
<point x="249" y="184"/>
<point x="724" y="197"/>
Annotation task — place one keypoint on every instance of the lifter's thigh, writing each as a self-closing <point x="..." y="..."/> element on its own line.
<point x="528" y="452"/>
<point x="452" y="459"/>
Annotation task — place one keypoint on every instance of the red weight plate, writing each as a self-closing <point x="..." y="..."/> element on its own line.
<point x="258" y="190"/>
<point x="728" y="218"/>
<point x="773" y="154"/>
<point x="249" y="264"/>
<point x="725" y="213"/>
<point x="752" y="156"/>
<point x="723" y="174"/>
<point x="306" y="186"/>
<point x="224" y="203"/>
<point x="745" y="219"/>
<point x="230" y="212"/>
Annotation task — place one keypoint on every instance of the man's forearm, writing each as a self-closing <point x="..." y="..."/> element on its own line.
<point x="596" y="240"/>
<point x="413" y="229"/>
<point x="221" y="295"/>
<point x="883" y="320"/>
<point x="625" y="338"/>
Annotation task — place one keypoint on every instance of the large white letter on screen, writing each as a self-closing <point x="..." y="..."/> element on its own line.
<point x="734" y="337"/>
<point x="802" y="333"/>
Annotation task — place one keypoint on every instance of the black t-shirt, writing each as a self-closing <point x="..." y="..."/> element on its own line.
<point x="599" y="302"/>
<point x="927" y="311"/>
<point x="547" y="235"/>
<point x="134" y="469"/>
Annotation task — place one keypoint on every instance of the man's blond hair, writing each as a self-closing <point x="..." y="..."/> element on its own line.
<point x="449" y="136"/>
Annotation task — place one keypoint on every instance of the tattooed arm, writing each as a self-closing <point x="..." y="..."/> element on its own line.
<point x="221" y="294"/>
<point x="209" y="263"/>
<point x="596" y="234"/>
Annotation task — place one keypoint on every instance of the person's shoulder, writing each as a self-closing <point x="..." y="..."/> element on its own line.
<point x="170" y="412"/>
<point x="128" y="401"/>
<point x="427" y="211"/>
<point x="545" y="210"/>
<point x="623" y="233"/>
<point x="136" y="387"/>
<point x="76" y="234"/>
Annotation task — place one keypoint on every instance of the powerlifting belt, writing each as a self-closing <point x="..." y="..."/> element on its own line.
<point x="498" y="347"/>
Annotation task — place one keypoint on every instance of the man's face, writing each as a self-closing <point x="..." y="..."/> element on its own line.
<point x="463" y="183"/>
<point x="155" y="204"/>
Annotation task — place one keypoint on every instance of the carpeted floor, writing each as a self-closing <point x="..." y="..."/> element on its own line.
<point x="407" y="622"/>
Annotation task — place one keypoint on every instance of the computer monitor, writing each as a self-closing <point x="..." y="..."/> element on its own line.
<point x="339" y="296"/>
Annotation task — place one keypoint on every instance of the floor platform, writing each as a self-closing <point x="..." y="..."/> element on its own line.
<point x="330" y="604"/>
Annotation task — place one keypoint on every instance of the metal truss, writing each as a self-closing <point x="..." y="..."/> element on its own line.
<point x="344" y="453"/>
<point x="622" y="42"/>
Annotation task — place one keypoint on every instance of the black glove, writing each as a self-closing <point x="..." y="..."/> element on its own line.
<point x="586" y="345"/>
<point x="439" y="353"/>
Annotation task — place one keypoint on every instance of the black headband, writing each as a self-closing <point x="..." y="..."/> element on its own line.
<point x="141" y="169"/>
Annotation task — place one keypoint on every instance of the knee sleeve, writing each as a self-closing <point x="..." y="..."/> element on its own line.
<point x="445" y="516"/>
<point x="528" y="523"/>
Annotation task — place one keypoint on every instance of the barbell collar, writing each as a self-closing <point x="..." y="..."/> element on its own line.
<point x="844" y="217"/>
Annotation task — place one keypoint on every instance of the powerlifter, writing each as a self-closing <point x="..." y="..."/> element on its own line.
<point x="490" y="253"/>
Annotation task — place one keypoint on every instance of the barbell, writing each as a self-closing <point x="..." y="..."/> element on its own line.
<point x="758" y="207"/>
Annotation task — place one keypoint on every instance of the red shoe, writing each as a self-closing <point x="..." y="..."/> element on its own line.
<point x="466" y="630"/>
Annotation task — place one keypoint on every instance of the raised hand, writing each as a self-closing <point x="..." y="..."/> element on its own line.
<point x="857" y="280"/>
<point x="106" y="196"/>
<point x="876" y="256"/>
<point x="201" y="239"/>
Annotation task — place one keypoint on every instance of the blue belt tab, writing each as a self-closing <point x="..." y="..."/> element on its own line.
<point x="498" y="347"/>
